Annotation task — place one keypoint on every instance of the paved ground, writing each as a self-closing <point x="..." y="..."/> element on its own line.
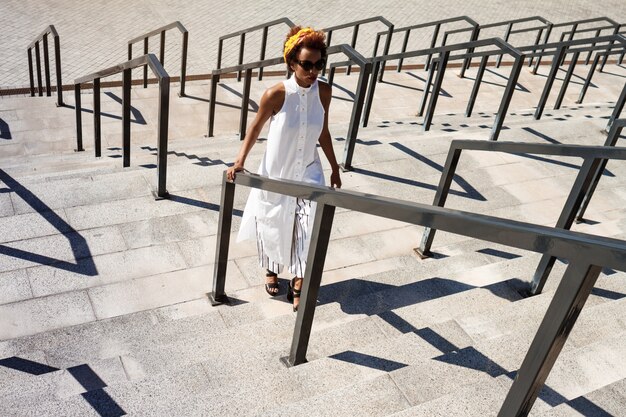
<point x="94" y="34"/>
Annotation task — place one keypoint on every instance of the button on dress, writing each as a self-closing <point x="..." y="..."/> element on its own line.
<point x="291" y="154"/>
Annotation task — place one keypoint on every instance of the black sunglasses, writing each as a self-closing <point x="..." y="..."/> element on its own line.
<point x="308" y="65"/>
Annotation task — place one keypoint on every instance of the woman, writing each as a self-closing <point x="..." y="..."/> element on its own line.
<point x="298" y="113"/>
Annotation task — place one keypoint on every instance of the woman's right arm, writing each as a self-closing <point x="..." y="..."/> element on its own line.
<point x="271" y="103"/>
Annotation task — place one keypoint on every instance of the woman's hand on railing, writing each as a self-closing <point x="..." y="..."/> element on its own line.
<point x="230" y="172"/>
<point x="335" y="179"/>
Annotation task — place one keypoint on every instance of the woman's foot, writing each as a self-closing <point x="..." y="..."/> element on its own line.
<point x="271" y="283"/>
<point x="293" y="295"/>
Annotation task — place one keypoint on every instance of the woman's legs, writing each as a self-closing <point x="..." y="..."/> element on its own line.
<point x="298" y="255"/>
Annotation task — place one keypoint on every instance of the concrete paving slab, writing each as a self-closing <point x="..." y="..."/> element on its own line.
<point x="106" y="268"/>
<point x="43" y="314"/>
<point x="14" y="286"/>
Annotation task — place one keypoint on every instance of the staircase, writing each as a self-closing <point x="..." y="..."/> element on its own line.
<point x="103" y="289"/>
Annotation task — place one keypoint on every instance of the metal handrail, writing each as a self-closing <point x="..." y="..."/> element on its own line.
<point x="355" y="33"/>
<point x="560" y="50"/>
<point x="574" y="24"/>
<point x="163" y="115"/>
<point x="357" y="108"/>
<point x="43" y="37"/>
<point x="592" y="69"/>
<point x="594" y="162"/>
<point x="587" y="255"/>
<point x="161" y="31"/>
<point x="441" y="65"/>
<point x="437" y="26"/>
<point x="242" y="35"/>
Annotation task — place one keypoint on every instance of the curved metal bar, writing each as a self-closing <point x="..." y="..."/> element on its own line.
<point x="161" y="31"/>
<point x="151" y="61"/>
<point x="43" y="37"/>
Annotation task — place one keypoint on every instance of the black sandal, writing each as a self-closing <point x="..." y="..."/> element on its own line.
<point x="293" y="293"/>
<point x="272" y="288"/>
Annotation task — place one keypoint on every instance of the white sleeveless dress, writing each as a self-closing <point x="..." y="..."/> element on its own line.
<point x="291" y="154"/>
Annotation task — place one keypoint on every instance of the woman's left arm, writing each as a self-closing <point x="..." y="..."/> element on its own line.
<point x="325" y="139"/>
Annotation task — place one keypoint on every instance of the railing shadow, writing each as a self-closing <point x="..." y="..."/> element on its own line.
<point x="138" y="117"/>
<point x="100" y="400"/>
<point x="467" y="357"/>
<point x="5" y="130"/>
<point x="470" y="191"/>
<point x="254" y="107"/>
<point x="442" y="92"/>
<point x="82" y="254"/>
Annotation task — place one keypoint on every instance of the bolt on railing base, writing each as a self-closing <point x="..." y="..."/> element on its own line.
<point x="217" y="300"/>
<point x="285" y="361"/>
<point x="163" y="196"/>
<point x="423" y="254"/>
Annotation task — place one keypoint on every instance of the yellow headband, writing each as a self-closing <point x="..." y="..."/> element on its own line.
<point x="293" y="41"/>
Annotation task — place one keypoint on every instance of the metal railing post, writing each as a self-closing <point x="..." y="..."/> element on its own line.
<point x="477" y="82"/>
<point x="568" y="301"/>
<point x="220" y="46"/>
<point x="566" y="219"/>
<point x="611" y="140"/>
<point x="386" y="51"/>
<point x="79" y="119"/>
<point x="46" y="65"/>
<point x="57" y="63"/>
<point x="320" y="236"/>
<point x="537" y="39"/>
<point x="329" y="36"/>
<point x="355" y="34"/>
<point x="97" y="131"/>
<point x="556" y="59"/>
<point x="433" y="43"/>
<point x="145" y="67"/>
<point x="30" y="73"/>
<point x="441" y="70"/>
<point x="606" y="57"/>
<point x="242" y="43"/>
<point x="545" y="40"/>
<point x="507" y="34"/>
<point x="38" y="64"/>
<point x="163" y="117"/>
<point x="566" y="80"/>
<point x="592" y="44"/>
<point x="592" y="69"/>
<point x="468" y="61"/>
<point x="126" y="117"/>
<point x="355" y="118"/>
<point x="218" y="296"/>
<point x="245" y="101"/>
<point x="263" y="47"/>
<point x="162" y="48"/>
<point x="427" y="85"/>
<point x="213" y="95"/>
<point x="617" y="110"/>
<point x="404" y="45"/>
<point x="370" y="93"/>
<point x="452" y="160"/>
<point x="183" y="64"/>
<point x="331" y="75"/>
<point x="506" y="98"/>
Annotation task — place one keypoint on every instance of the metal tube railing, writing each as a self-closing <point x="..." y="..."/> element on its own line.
<point x="242" y="38"/>
<point x="587" y="255"/>
<point x="125" y="68"/>
<point x="364" y="64"/>
<point x="440" y="67"/>
<point x="43" y="38"/>
<point x="161" y="31"/>
<point x="574" y="29"/>
<point x="558" y="51"/>
<point x="594" y="157"/>
<point x="355" y="31"/>
<point x="594" y="65"/>
<point x="407" y="30"/>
